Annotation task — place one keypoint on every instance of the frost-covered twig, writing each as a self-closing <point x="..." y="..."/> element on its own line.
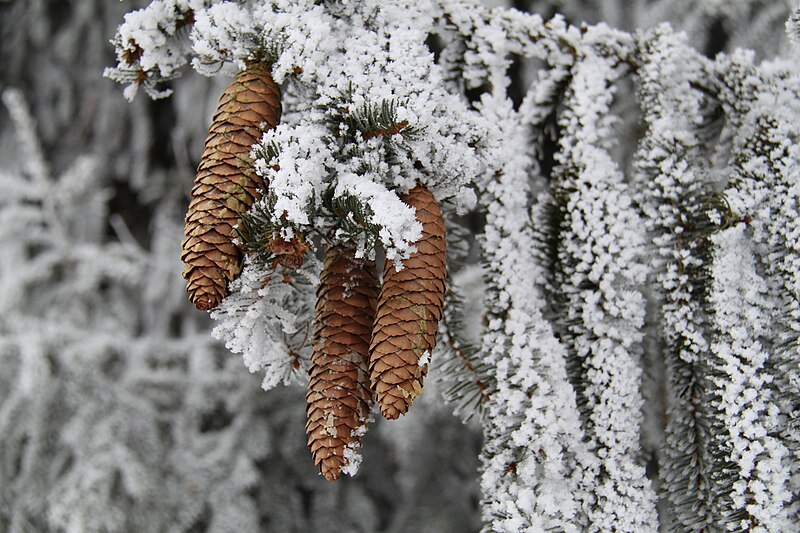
<point x="534" y="451"/>
<point x="267" y="319"/>
<point x="672" y="177"/>
<point x="150" y="45"/>
<point x="598" y="272"/>
<point x="25" y="127"/>
<point x="762" y="194"/>
<point x="752" y="479"/>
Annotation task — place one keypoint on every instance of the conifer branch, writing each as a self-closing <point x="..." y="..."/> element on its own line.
<point x="469" y="379"/>
<point x="146" y="61"/>
<point x="270" y="243"/>
<point x="353" y="219"/>
<point x="597" y="252"/>
<point x="763" y="159"/>
<point x="378" y="120"/>
<point x="389" y="95"/>
<point x="528" y="362"/>
<point x="682" y="224"/>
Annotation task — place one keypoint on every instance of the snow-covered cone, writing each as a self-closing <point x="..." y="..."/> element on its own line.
<point x="226" y="184"/>
<point x="409" y="308"/>
<point x="339" y="398"/>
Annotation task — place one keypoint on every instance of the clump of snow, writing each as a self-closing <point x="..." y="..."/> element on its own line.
<point x="425" y="359"/>
<point x="352" y="451"/>
<point x="223" y="32"/>
<point x="352" y="458"/>
<point x="292" y="36"/>
<point x="149" y="30"/>
<point x="399" y="228"/>
<point x="330" y="425"/>
<point x="297" y="173"/>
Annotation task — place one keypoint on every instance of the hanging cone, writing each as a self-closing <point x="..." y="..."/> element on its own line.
<point x="226" y="184"/>
<point x="339" y="398"/>
<point x="409" y="308"/>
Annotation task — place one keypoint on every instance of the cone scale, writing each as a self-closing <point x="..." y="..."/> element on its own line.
<point x="339" y="399"/>
<point x="409" y="309"/>
<point x="226" y="184"/>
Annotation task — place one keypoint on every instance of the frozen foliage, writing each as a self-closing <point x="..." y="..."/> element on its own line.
<point x="266" y="323"/>
<point x="755" y="480"/>
<point x="711" y="25"/>
<point x="64" y="216"/>
<point x="765" y="196"/>
<point x="465" y="377"/>
<point x="598" y="273"/>
<point x="556" y="373"/>
<point x="118" y="411"/>
<point x="517" y="497"/>
<point x="534" y="443"/>
<point x="635" y="201"/>
<point x="292" y="35"/>
<point x="762" y="194"/>
<point x="671" y="173"/>
<point x="399" y="228"/>
<point x="92" y="441"/>
<point x="295" y="173"/>
<point x="150" y="46"/>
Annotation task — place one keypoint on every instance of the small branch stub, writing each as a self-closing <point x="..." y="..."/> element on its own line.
<point x="226" y="184"/>
<point x="409" y="309"/>
<point x="339" y="398"/>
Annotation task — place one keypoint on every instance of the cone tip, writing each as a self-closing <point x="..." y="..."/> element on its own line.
<point x="205" y="302"/>
<point x="390" y="412"/>
<point x="331" y="474"/>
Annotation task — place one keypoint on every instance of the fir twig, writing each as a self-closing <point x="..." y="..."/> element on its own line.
<point x="352" y="219"/>
<point x="378" y="120"/>
<point x="471" y="380"/>
<point x="271" y="243"/>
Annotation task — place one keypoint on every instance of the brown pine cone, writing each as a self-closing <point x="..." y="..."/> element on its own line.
<point x="409" y="308"/>
<point x="339" y="398"/>
<point x="226" y="184"/>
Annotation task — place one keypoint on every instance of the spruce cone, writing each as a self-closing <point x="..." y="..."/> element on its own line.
<point x="409" y="308"/>
<point x="226" y="184"/>
<point x="339" y="398"/>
